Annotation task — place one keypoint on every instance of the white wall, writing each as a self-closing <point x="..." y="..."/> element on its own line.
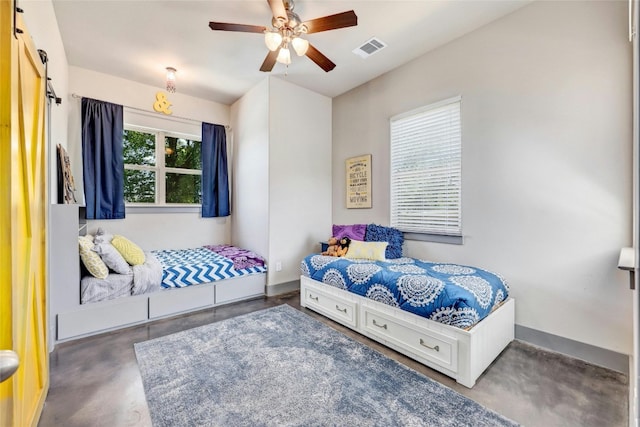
<point x="40" y="18"/>
<point x="250" y="190"/>
<point x="157" y="230"/>
<point x="299" y="176"/>
<point x="167" y="230"/>
<point x="546" y="127"/>
<point x="282" y="188"/>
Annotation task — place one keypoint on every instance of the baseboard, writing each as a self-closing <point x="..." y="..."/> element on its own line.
<point x="283" y="288"/>
<point x="587" y="352"/>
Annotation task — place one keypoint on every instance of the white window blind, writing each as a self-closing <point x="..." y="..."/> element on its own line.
<point x="426" y="163"/>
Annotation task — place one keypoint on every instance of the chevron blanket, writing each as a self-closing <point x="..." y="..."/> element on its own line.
<point x="186" y="267"/>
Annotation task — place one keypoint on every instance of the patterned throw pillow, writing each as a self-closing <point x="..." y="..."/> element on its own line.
<point x="395" y="238"/>
<point x="367" y="250"/>
<point x="129" y="250"/>
<point x="91" y="260"/>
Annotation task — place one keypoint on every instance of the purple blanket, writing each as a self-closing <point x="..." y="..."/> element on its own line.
<point x="242" y="258"/>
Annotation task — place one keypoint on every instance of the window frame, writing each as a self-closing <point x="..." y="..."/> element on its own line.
<point x="428" y="232"/>
<point x="161" y="170"/>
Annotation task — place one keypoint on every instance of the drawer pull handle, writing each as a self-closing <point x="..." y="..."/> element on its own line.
<point x="313" y="298"/>
<point x="424" y="344"/>
<point x="378" y="325"/>
<point x="344" y="310"/>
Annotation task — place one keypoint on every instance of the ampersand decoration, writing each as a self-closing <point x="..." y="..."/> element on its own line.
<point x="162" y="104"/>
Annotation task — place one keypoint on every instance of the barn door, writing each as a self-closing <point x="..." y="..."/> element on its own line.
<point x="23" y="221"/>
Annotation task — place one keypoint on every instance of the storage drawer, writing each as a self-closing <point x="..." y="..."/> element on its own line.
<point x="240" y="288"/>
<point x="428" y="344"/>
<point x="102" y="316"/>
<point x="331" y="306"/>
<point x="168" y="302"/>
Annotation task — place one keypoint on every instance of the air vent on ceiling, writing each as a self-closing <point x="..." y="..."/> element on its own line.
<point x="370" y="47"/>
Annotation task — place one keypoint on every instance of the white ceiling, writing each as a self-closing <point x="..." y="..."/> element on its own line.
<point x="137" y="40"/>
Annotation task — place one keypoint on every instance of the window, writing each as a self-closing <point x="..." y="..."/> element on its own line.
<point x="426" y="163"/>
<point x="161" y="168"/>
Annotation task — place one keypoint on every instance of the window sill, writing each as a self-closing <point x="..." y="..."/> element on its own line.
<point x="162" y="209"/>
<point x="435" y="238"/>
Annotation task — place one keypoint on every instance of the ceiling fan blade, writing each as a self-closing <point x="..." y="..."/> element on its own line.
<point x="237" y="27"/>
<point x="332" y="22"/>
<point x="278" y="10"/>
<point x="270" y="61"/>
<point x="323" y="62"/>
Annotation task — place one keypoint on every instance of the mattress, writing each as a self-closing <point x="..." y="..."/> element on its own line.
<point x="188" y="267"/>
<point x="456" y="295"/>
<point x="114" y="286"/>
<point x="143" y="278"/>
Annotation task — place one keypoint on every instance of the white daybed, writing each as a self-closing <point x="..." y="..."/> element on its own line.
<point x="459" y="353"/>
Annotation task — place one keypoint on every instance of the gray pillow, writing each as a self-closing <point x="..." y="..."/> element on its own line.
<point x="111" y="257"/>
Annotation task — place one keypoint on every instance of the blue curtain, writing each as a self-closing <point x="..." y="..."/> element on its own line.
<point x="215" y="180"/>
<point x="103" y="162"/>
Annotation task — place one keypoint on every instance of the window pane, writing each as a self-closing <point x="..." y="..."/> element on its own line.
<point x="182" y="153"/>
<point x="139" y="186"/>
<point x="183" y="188"/>
<point x="139" y="148"/>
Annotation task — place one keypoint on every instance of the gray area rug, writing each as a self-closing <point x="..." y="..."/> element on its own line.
<point x="281" y="367"/>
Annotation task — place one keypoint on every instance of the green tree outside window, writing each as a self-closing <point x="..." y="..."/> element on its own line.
<point x="161" y="169"/>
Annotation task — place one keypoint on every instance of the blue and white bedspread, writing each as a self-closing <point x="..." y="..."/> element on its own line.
<point x="186" y="267"/>
<point x="452" y="294"/>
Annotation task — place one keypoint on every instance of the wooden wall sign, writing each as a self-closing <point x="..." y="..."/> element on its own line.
<point x="358" y="170"/>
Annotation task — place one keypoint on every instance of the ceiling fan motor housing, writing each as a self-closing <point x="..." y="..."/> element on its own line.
<point x="289" y="5"/>
<point x="293" y="23"/>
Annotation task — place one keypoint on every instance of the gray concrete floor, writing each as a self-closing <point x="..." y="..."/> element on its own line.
<point x="95" y="381"/>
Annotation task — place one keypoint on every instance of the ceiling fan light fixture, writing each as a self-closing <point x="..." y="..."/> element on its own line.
<point x="300" y="45"/>
<point x="284" y="56"/>
<point x="273" y="40"/>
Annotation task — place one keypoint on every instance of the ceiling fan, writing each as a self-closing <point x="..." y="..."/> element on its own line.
<point x="287" y="29"/>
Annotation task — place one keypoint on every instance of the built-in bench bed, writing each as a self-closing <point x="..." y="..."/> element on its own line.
<point x="166" y="283"/>
<point x="89" y="319"/>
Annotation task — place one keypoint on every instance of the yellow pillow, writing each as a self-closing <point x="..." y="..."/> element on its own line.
<point x="129" y="250"/>
<point x="367" y="250"/>
<point x="90" y="259"/>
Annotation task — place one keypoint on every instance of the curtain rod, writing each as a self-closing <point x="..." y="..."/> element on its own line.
<point x="227" y="127"/>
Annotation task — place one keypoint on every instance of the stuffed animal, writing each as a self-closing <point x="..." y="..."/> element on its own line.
<point x="337" y="247"/>
<point x="344" y="246"/>
<point x="332" y="249"/>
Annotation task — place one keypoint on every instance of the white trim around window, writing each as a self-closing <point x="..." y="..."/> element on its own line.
<point x="160" y="170"/>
